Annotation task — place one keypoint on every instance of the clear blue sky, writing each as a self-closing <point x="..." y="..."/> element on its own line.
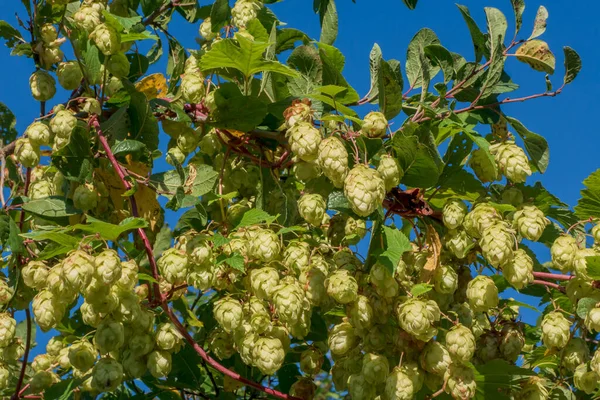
<point x="567" y="121"/>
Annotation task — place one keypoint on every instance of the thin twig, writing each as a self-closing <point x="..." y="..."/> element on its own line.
<point x="549" y="284"/>
<point x="556" y="277"/>
<point x="25" y="356"/>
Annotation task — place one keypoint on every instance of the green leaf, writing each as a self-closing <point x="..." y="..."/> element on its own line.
<point x="589" y="203"/>
<point x="220" y="13"/>
<point x="199" y="180"/>
<point x="8" y="121"/>
<point x="498" y="375"/>
<point x="132" y="37"/>
<point x="375" y="58"/>
<point x="497" y="27"/>
<point x="389" y="88"/>
<point x="416" y="70"/>
<point x="411" y="4"/>
<point x="255" y="216"/>
<point x="15" y="242"/>
<point x="50" y="207"/>
<point x="396" y="243"/>
<point x="110" y="231"/>
<point x="420" y="289"/>
<point x="235" y="261"/>
<point x="478" y="38"/>
<point x="483" y="144"/>
<point x="537" y="55"/>
<point x="11" y="35"/>
<point x="236" y="111"/>
<point x="329" y="21"/>
<point x="572" y="64"/>
<point x="91" y="59"/>
<point x="539" y="25"/>
<point x="55" y="236"/>
<point x="518" y="8"/>
<point x="175" y="62"/>
<point x="593" y="267"/>
<point x="259" y="33"/>
<point x="420" y="165"/>
<point x="143" y="124"/>
<point x="134" y="147"/>
<point x="536" y="145"/>
<point x="441" y="57"/>
<point x="64" y="389"/>
<point x="337" y="201"/>
<point x="244" y="55"/>
<point x="121" y="23"/>
<point x="195" y="218"/>
<point x="287" y="37"/>
<point x="585" y="305"/>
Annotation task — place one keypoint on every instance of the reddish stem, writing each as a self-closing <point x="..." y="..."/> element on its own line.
<point x="25" y="357"/>
<point x="549" y="284"/>
<point x="148" y="247"/>
<point x="556" y="277"/>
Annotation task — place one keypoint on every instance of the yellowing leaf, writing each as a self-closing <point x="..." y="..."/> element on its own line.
<point x="435" y="246"/>
<point x="153" y="86"/>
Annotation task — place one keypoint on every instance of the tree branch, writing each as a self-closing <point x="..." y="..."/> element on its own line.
<point x="17" y="393"/>
<point x="549" y="275"/>
<point x="549" y="284"/>
<point x="152" y="17"/>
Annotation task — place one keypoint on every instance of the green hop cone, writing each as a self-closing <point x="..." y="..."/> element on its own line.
<point x="187" y="140"/>
<point x="54" y="346"/>
<point x="41" y="189"/>
<point x="445" y="279"/>
<point x="519" y="270"/>
<point x="454" y="213"/>
<point x="584" y="380"/>
<point x="435" y="358"/>
<point x="555" y="330"/>
<point x="82" y="355"/>
<point x="312" y="207"/>
<point x="390" y="171"/>
<point x="86" y="197"/>
<point x="311" y="361"/>
<point x="47" y="309"/>
<point x="69" y="75"/>
<point x="374" y="125"/>
<point x="460" y="343"/>
<point x="513" y="196"/>
<point x="87" y="18"/>
<point x="511" y="342"/>
<point x="134" y="367"/>
<point x="229" y="313"/>
<point x="342" y="339"/>
<point x="364" y="189"/>
<point x="108" y="267"/>
<point x="303" y="388"/>
<point x="14" y="351"/>
<point x="118" y="65"/>
<point x="563" y="251"/>
<point x="333" y="160"/>
<point x="78" y="269"/>
<point x="289" y="300"/>
<point x="530" y="222"/>
<point x="39" y="134"/>
<point x="580" y="263"/>
<point x="534" y="388"/>
<point x="296" y="255"/>
<point x="592" y="320"/>
<point x="140" y="344"/>
<point x="107" y="375"/>
<point x="63" y="123"/>
<point x="263" y="282"/>
<point x="595" y="232"/>
<point x="512" y="161"/>
<point x="385" y="284"/>
<point x="42" y="380"/>
<point x="168" y="338"/>
<point x="268" y="355"/>
<point x="482" y="293"/>
<point x="575" y="353"/>
<point x="173" y="266"/>
<point x="375" y="368"/>
<point x="339" y="376"/>
<point x="414" y="373"/>
<point x="299" y="111"/>
<point x="304" y="141"/>
<point x="361" y="313"/>
<point x="595" y="362"/>
<point x="418" y="318"/>
<point x="458" y="242"/>
<point x="313" y="282"/>
<point x="42" y="362"/>
<point x="107" y="39"/>
<point x="8" y="327"/>
<point x="27" y="154"/>
<point x="42" y="85"/>
<point x="50" y="55"/>
<point x="48" y="33"/>
<point x="205" y="30"/>
<point x="306" y="170"/>
<point x="221" y="344"/>
<point x="175" y="156"/>
<point x="461" y="382"/>
<point x="192" y="87"/>
<point x="483" y="166"/>
<point x="497" y="243"/>
<point x="159" y="363"/>
<point x="244" y="11"/>
<point x="35" y="274"/>
<point x="342" y="287"/>
<point x="359" y="388"/>
<point x="265" y="246"/>
<point x="110" y="336"/>
<point x="481" y="217"/>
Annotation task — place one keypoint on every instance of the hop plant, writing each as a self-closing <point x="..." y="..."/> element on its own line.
<point x="585" y="380"/>
<point x="228" y="313"/>
<point x="264" y="281"/>
<point x="483" y="166"/>
<point x="374" y="125"/>
<point x="530" y="222"/>
<point x="592" y="320"/>
<point x="159" y="363"/>
<point x="481" y="217"/>
<point x="359" y="388"/>
<point x="118" y="65"/>
<point x="109" y="336"/>
<point x="303" y="388"/>
<point x="390" y="171"/>
<point x="87" y="18"/>
<point x="35" y="274"/>
<point x="205" y="30"/>
<point x="8" y="328"/>
<point x="85" y="197"/>
<point x="555" y="330"/>
<point x="107" y="39"/>
<point x="445" y="279"/>
<point x="312" y="207"/>
<point x="482" y="293"/>
<point x="342" y="339"/>
<point x="175" y="156"/>
<point x="41" y="362"/>
<point x="460" y="343"/>
<point x="435" y="358"/>
<point x="265" y="246"/>
<point x="311" y="361"/>
<point x="299" y="111"/>
<point x="563" y="251"/>
<point x="173" y="266"/>
<point x="332" y="157"/>
<point x="296" y="255"/>
<point x="497" y="244"/>
<point x="342" y="287"/>
<point x="107" y="375"/>
<point x="364" y="189"/>
<point x="289" y="301"/>
<point x="580" y="262"/>
<point x="513" y="196"/>
<point x="42" y="85"/>
<point x="243" y="12"/>
<point x="268" y="355"/>
<point x="512" y="161"/>
<point x="220" y="344"/>
<point x="42" y="380"/>
<point x="511" y="342"/>
<point x="108" y="267"/>
<point x="82" y="355"/>
<point x="48" y="33"/>
<point x="63" y="124"/>
<point x="454" y="213"/>
<point x="39" y="134"/>
<point x="418" y="318"/>
<point x="375" y="368"/>
<point x="382" y="279"/>
<point x="27" y="154"/>
<point x="461" y="382"/>
<point x="304" y="141"/>
<point x="519" y="271"/>
<point x="78" y="269"/>
<point x="168" y="338"/>
<point x="458" y="242"/>
<point x="192" y="87"/>
<point x="575" y="354"/>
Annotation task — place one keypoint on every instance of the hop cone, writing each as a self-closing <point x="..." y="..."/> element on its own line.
<point x="87" y="18"/>
<point x="364" y="189"/>
<point x="359" y="388"/>
<point x="304" y="141"/>
<point x="580" y="262"/>
<point x="221" y="344"/>
<point x="512" y="161"/>
<point x="592" y="320"/>
<point x="480" y="218"/>
<point x="78" y="270"/>
<point x="512" y="196"/>
<point x="63" y="123"/>
<point x="228" y="313"/>
<point x="342" y="339"/>
<point x="563" y="252"/>
<point x="243" y="12"/>
<point x="497" y="244"/>
<point x="361" y="313"/>
<point x="530" y="222"/>
<point x="519" y="270"/>
<point x="159" y="363"/>
<point x="39" y="134"/>
<point x="482" y="294"/>
<point x="173" y="266"/>
<point x="458" y="242"/>
<point x="418" y="318"/>
<point x="385" y="284"/>
<point x="107" y="39"/>
<point x="82" y="355"/>
<point x="289" y="301"/>
<point x="595" y="362"/>
<point x="42" y="85"/>
<point x="109" y="336"/>
<point x="35" y="274"/>
<point x="333" y="159"/>
<point x="483" y="166"/>
<point x="205" y="30"/>
<point x="585" y="380"/>
<point x="303" y="388"/>
<point x="313" y="283"/>
<point x="390" y="171"/>
<point x="342" y="287"/>
<point x="454" y="213"/>
<point x="28" y="154"/>
<point x="311" y="361"/>
<point x="168" y="338"/>
<point x="192" y="87"/>
<point x="264" y="281"/>
<point x="435" y="358"/>
<point x="8" y="327"/>
<point x="107" y="375"/>
<point x="511" y="342"/>
<point x="445" y="279"/>
<point x="555" y="330"/>
<point x="85" y="197"/>
<point x="268" y="355"/>
<point x="460" y="343"/>
<point x="461" y="382"/>
<point x="108" y="266"/>
<point x="296" y="255"/>
<point x="118" y="65"/>
<point x="312" y="207"/>
<point x="374" y="125"/>
<point x="375" y="368"/>
<point x="299" y="111"/>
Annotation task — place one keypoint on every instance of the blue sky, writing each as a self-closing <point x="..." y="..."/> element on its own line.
<point x="566" y="121"/>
